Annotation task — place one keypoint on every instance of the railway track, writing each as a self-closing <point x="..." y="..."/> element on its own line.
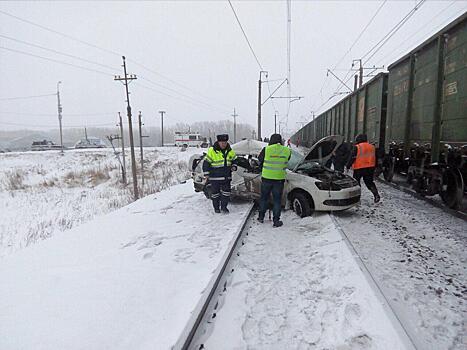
<point x="458" y="213"/>
<point x="193" y="335"/>
<point x="198" y="331"/>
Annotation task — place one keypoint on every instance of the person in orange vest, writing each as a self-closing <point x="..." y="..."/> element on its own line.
<point x="363" y="163"/>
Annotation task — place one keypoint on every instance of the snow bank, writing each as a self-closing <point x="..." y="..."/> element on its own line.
<point x="126" y="280"/>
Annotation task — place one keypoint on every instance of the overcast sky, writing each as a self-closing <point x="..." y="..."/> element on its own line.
<point x="197" y="45"/>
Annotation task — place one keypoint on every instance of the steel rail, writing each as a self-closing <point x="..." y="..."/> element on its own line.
<point x="405" y="335"/>
<point x="458" y="213"/>
<point x="186" y="340"/>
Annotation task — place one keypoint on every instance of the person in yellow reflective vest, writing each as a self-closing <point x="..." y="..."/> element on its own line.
<point x="273" y="161"/>
<point x="217" y="168"/>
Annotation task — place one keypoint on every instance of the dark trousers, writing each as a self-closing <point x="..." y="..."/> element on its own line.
<point x="368" y="177"/>
<point x="276" y="187"/>
<point x="220" y="194"/>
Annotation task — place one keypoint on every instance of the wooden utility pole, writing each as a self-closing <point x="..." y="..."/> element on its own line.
<point x="126" y="79"/>
<point x="235" y="115"/>
<point x="120" y="123"/>
<point x="59" y="107"/>
<point x="162" y="127"/>
<point x="275" y="122"/>
<point x="140" y="125"/>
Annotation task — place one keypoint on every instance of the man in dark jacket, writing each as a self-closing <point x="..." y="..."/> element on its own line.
<point x="273" y="161"/>
<point x="217" y="168"/>
<point x="341" y="156"/>
<point x="363" y="162"/>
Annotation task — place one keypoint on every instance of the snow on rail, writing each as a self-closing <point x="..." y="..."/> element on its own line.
<point x="299" y="287"/>
<point x="128" y="280"/>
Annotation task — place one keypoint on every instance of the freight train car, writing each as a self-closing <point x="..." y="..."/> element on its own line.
<point x="427" y="114"/>
<point x="415" y="115"/>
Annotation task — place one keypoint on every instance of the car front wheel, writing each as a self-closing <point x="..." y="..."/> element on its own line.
<point x="301" y="204"/>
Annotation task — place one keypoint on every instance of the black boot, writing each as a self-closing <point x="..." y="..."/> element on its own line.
<point x="277" y="223"/>
<point x="225" y="210"/>
<point x="217" y="210"/>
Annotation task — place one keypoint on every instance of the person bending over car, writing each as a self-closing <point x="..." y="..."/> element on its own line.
<point x="217" y="168"/>
<point x="363" y="162"/>
<point x="273" y="161"/>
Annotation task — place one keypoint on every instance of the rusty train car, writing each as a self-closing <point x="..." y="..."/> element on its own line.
<point x="415" y="115"/>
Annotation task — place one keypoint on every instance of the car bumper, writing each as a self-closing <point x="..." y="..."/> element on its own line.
<point x="338" y="200"/>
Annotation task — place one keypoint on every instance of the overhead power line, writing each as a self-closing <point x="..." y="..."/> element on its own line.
<point x="411" y="36"/>
<point x="352" y="46"/>
<point x="382" y="42"/>
<point x="176" y="83"/>
<point x="57" y="52"/>
<point x="393" y="31"/>
<point x="360" y="35"/>
<point x="59" y="33"/>
<point x="244" y="34"/>
<point x="54" y="115"/>
<point x="25" y="97"/>
<point x="181" y="94"/>
<point x="99" y="48"/>
<point x="54" y="60"/>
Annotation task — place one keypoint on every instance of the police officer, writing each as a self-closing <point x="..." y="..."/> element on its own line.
<point x="217" y="167"/>
<point x="363" y="162"/>
<point x="273" y="161"/>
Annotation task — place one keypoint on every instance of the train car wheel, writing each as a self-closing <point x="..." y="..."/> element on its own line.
<point x="453" y="188"/>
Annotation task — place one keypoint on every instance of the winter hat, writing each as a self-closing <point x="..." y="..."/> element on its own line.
<point x="361" y="138"/>
<point x="275" y="138"/>
<point x="223" y="137"/>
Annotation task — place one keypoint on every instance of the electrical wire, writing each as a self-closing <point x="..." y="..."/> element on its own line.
<point x="25" y="97"/>
<point x="350" y="49"/>
<point x="244" y="34"/>
<point x="56" y="61"/>
<point x="56" y="52"/>
<point x="424" y="26"/>
<point x="59" y="33"/>
<point x="393" y="31"/>
<point x="174" y="82"/>
<point x="181" y="94"/>
<point x="183" y="100"/>
<point x="93" y="46"/>
<point x="381" y="43"/>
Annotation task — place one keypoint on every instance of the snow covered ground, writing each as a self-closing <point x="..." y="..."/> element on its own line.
<point x="126" y="280"/>
<point x="299" y="287"/>
<point x="42" y="193"/>
<point x="417" y="253"/>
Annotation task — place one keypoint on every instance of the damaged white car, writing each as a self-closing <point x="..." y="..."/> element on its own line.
<point x="309" y="185"/>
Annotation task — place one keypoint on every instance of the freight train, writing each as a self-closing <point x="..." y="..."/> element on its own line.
<point x="415" y="115"/>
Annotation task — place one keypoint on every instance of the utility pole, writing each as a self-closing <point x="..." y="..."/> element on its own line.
<point x="86" y="135"/>
<point x="162" y="127"/>
<point x="60" y="117"/>
<point x="275" y="122"/>
<point x="259" y="103"/>
<point x="235" y="115"/>
<point x="128" y="78"/>
<point x="120" y="123"/>
<point x="140" y="124"/>
<point x="355" y="83"/>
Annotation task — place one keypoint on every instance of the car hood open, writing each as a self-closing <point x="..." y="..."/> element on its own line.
<point x="322" y="150"/>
